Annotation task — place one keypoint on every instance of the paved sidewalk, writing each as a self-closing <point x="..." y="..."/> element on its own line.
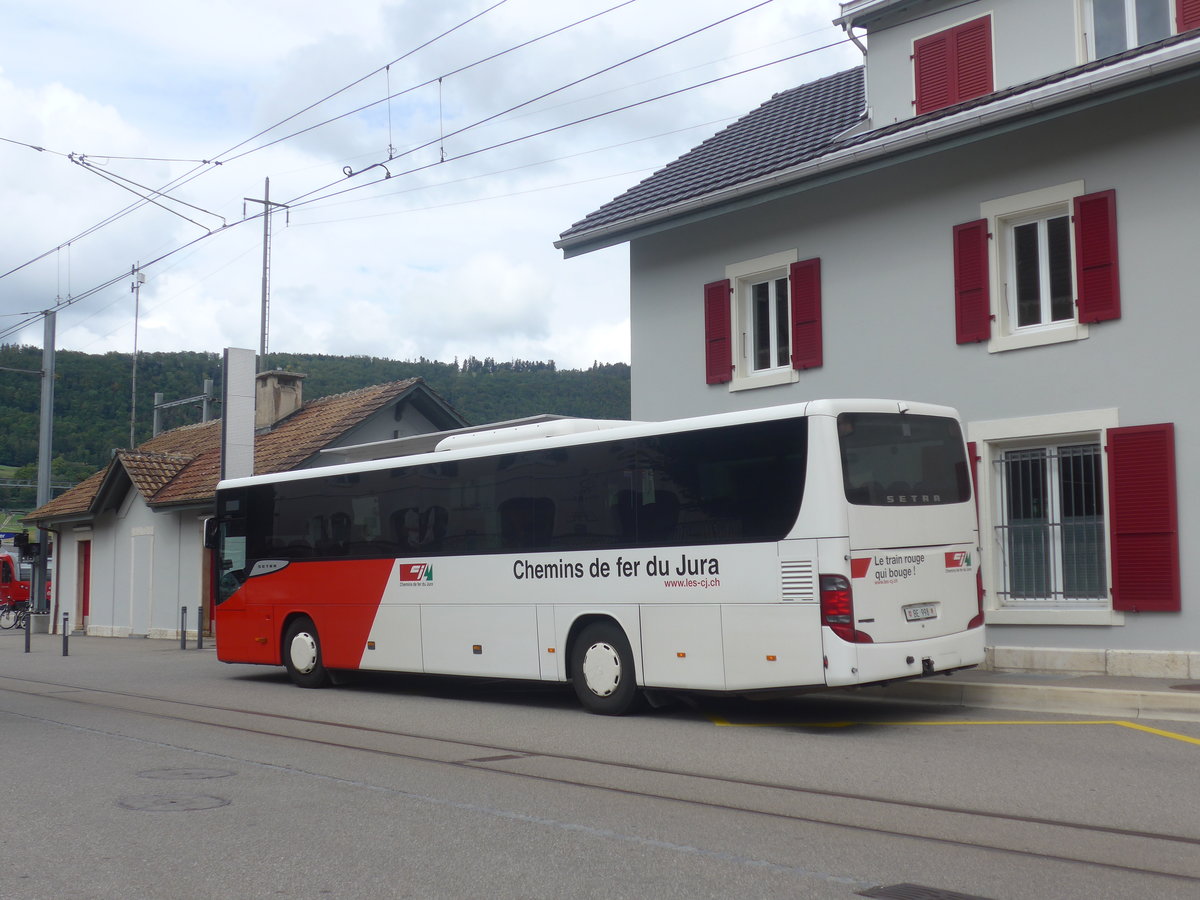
<point x="1099" y="696"/>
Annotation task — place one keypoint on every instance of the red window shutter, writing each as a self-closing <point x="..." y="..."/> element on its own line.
<point x="1187" y="15"/>
<point x="718" y="351"/>
<point x="931" y="69"/>
<point x="973" y="59"/>
<point x="1096" y="272"/>
<point x="1143" y="518"/>
<point x="804" y="287"/>
<point x="972" y="301"/>
<point x="953" y="65"/>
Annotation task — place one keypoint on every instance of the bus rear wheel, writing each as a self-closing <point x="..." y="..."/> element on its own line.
<point x="602" y="671"/>
<point x="302" y="654"/>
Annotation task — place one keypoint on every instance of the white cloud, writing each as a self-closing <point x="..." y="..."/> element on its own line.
<point x="452" y="260"/>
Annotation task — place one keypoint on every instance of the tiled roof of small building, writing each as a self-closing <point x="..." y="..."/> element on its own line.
<point x="74" y="502"/>
<point x="151" y="472"/>
<point x="183" y="466"/>
<point x="791" y="127"/>
<point x="289" y="443"/>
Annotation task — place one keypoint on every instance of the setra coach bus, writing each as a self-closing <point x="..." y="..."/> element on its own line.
<point x="793" y="548"/>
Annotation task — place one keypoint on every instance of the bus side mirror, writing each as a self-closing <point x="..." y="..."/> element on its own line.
<point x="210" y="534"/>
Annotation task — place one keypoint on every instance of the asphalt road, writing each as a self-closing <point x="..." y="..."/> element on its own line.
<point x="135" y="769"/>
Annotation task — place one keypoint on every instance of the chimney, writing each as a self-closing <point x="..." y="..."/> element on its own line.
<point x="277" y="395"/>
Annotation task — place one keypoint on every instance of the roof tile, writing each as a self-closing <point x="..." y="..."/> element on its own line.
<point x="788" y="129"/>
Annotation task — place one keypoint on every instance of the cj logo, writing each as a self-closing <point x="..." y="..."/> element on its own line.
<point x="416" y="572"/>
<point x="958" y="559"/>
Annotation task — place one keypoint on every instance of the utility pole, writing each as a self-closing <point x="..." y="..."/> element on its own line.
<point x="45" y="439"/>
<point x="138" y="280"/>
<point x="266" y="269"/>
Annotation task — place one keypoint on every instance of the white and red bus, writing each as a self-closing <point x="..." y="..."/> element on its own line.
<point x="798" y="547"/>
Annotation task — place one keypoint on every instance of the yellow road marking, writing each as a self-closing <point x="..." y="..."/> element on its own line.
<point x="1167" y="734"/>
<point x="725" y="723"/>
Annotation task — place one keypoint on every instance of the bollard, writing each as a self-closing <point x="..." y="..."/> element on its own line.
<point x="183" y="628"/>
<point x="28" y="626"/>
<point x="200" y="627"/>
<point x="65" y="634"/>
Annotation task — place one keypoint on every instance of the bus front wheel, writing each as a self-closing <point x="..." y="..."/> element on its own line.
<point x="302" y="654"/>
<point x="602" y="671"/>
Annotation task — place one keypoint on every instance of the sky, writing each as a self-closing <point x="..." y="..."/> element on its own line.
<point x="421" y="184"/>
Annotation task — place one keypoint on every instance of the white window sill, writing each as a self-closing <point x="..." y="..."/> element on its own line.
<point x="1039" y="337"/>
<point x="1054" y="617"/>
<point x="769" y="378"/>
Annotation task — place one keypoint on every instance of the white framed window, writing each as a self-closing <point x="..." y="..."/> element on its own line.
<point x="1043" y="513"/>
<point x="1033" y="268"/>
<point x="761" y="321"/>
<point x="1114" y="26"/>
<point x="1039" y="259"/>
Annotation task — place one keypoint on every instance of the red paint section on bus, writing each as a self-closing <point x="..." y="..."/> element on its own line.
<point x="860" y="566"/>
<point x="251" y="622"/>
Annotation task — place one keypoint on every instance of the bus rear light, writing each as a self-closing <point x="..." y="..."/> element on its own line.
<point x="837" y="609"/>
<point x="978" y="618"/>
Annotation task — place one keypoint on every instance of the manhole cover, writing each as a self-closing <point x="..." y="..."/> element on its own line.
<point x="184" y="774"/>
<point x="915" y="892"/>
<point x="171" y="802"/>
<point x="1192" y="686"/>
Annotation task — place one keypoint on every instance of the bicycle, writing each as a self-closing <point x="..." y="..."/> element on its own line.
<point x="14" y="615"/>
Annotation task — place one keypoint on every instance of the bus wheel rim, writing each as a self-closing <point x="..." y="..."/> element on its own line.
<point x="602" y="669"/>
<point x="303" y="652"/>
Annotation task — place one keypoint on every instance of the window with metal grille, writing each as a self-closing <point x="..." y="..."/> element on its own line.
<point x="1051" y="530"/>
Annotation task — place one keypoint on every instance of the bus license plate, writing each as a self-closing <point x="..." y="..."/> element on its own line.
<point x="918" y="613"/>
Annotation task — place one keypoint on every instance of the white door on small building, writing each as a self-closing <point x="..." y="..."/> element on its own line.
<point x="141" y="582"/>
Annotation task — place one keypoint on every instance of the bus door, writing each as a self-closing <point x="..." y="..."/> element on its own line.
<point x="246" y="631"/>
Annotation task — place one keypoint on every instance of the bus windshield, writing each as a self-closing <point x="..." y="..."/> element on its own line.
<point x="897" y="459"/>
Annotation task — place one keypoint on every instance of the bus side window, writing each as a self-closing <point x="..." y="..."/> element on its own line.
<point x="417" y="530"/>
<point x="526" y="523"/>
<point x="658" y="520"/>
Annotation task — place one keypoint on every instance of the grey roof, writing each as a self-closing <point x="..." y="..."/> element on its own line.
<point x="798" y="127"/>
<point x="791" y="127"/>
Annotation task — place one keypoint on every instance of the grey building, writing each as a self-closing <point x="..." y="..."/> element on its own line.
<point x="999" y="211"/>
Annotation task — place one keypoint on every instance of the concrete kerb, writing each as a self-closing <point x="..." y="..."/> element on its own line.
<point x="1155" y="699"/>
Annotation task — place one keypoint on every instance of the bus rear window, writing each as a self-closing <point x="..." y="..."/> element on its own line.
<point x="896" y="459"/>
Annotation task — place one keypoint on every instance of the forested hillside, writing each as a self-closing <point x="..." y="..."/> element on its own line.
<point x="92" y="394"/>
